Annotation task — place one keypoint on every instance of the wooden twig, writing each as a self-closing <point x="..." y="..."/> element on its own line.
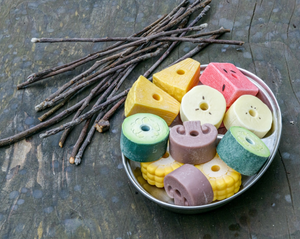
<point x="187" y="13"/>
<point x="173" y="45"/>
<point x="41" y="75"/>
<point x="84" y="116"/>
<point x="103" y="124"/>
<point x="79" y="141"/>
<point x="55" y="108"/>
<point x="79" y="111"/>
<point x="128" y="71"/>
<point x="43" y="125"/>
<point x="80" y="79"/>
<point x="47" y="104"/>
<point x="219" y="31"/>
<point x="103" y="53"/>
<point x="196" y="49"/>
<point x="108" y="39"/>
<point x="87" y="140"/>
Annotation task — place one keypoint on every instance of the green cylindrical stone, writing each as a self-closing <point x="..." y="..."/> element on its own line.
<point x="243" y="151"/>
<point x="144" y="137"/>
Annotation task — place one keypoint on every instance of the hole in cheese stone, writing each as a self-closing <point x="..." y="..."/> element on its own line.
<point x="194" y="133"/>
<point x="252" y="113"/>
<point x="215" y="168"/>
<point x="204" y="106"/>
<point x="178" y="193"/>
<point x="156" y="96"/>
<point x="145" y="127"/>
<point x="166" y="155"/>
<point x="186" y="203"/>
<point x="180" y="72"/>
<point x="249" y="141"/>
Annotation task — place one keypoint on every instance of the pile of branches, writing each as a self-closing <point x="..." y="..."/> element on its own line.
<point x="111" y="67"/>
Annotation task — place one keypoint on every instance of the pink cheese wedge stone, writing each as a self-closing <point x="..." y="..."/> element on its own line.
<point x="229" y="80"/>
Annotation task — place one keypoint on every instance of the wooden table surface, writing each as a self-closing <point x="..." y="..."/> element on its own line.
<point x="43" y="196"/>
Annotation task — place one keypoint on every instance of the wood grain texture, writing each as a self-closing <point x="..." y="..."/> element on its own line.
<point x="43" y="196"/>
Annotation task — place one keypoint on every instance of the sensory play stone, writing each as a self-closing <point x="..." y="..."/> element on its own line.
<point x="178" y="79"/>
<point x="228" y="80"/>
<point x="144" y="137"/>
<point x="203" y="103"/>
<point x="155" y="172"/>
<point x="192" y="142"/>
<point x="243" y="151"/>
<point x="188" y="186"/>
<point x="145" y="97"/>
<point x="251" y="113"/>
<point x="224" y="180"/>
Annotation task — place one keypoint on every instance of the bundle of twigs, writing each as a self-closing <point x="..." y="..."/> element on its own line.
<point x="112" y="66"/>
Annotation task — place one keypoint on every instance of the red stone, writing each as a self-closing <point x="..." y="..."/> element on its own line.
<point x="229" y="80"/>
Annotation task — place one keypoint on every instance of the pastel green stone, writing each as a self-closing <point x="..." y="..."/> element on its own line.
<point x="144" y="137"/>
<point x="243" y="151"/>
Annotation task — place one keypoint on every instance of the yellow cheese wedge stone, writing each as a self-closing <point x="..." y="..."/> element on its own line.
<point x="145" y="97"/>
<point x="178" y="79"/>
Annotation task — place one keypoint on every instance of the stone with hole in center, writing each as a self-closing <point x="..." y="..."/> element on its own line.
<point x="178" y="79"/>
<point x="144" y="137"/>
<point x="192" y="142"/>
<point x="203" y="103"/>
<point x="188" y="186"/>
<point x="243" y="151"/>
<point x="145" y="97"/>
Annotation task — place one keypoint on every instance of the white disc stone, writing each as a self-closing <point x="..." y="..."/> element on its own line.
<point x="251" y="113"/>
<point x="205" y="104"/>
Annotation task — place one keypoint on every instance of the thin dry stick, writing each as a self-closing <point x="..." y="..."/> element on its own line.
<point x="79" y="111"/>
<point x="73" y="81"/>
<point x="84" y="116"/>
<point x="187" y="13"/>
<point x="201" y="40"/>
<point x="95" y="56"/>
<point x="87" y="141"/>
<point x="196" y="49"/>
<point x="56" y="95"/>
<point x="209" y="33"/>
<point x="128" y="71"/>
<point x="87" y="83"/>
<point x="172" y="46"/>
<point x="108" y="39"/>
<point x="169" y="17"/>
<point x="79" y="141"/>
<point x="55" y="108"/>
<point x="103" y="124"/>
<point x="92" y="130"/>
<point x="110" y="82"/>
<point x="43" y="125"/>
<point x="37" y="76"/>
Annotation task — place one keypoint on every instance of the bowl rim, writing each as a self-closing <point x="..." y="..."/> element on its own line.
<point x="277" y="121"/>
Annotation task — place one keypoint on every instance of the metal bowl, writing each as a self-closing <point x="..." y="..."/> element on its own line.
<point x="272" y="140"/>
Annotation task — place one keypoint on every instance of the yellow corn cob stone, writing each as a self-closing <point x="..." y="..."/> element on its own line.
<point x="224" y="180"/>
<point x="155" y="172"/>
<point x="178" y="79"/>
<point x="145" y="97"/>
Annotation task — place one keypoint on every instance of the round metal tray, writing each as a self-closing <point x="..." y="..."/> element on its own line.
<point x="272" y="140"/>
